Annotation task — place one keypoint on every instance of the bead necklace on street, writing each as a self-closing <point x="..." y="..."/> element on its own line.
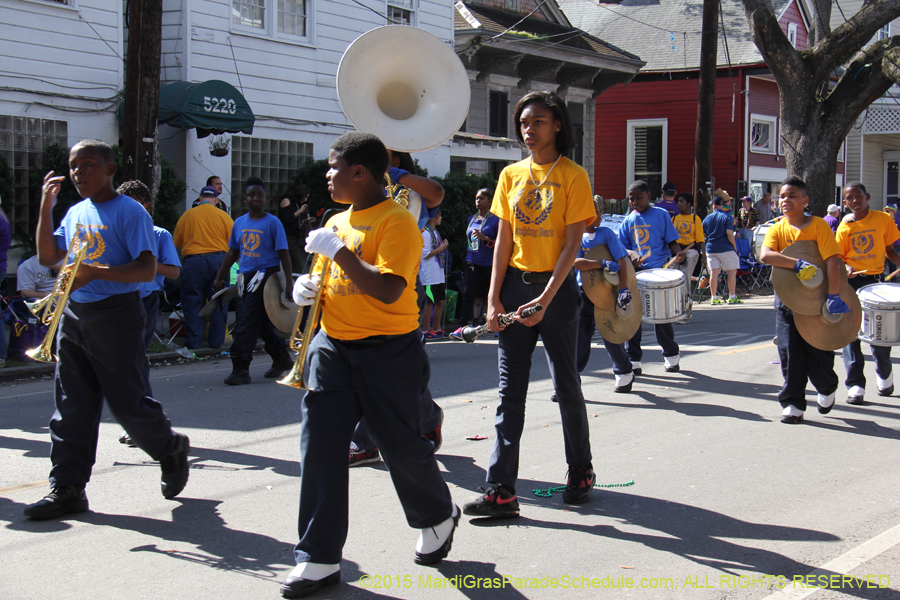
<point x="549" y="491"/>
<point x="536" y="184"/>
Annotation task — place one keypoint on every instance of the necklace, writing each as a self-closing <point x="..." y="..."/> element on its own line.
<point x="536" y="184"/>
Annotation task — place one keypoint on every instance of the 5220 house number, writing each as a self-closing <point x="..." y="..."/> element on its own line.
<point x="219" y="105"/>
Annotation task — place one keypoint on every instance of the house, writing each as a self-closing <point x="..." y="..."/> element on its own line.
<point x="646" y="130"/>
<point x="513" y="47"/>
<point x="62" y="66"/>
<point x="873" y="145"/>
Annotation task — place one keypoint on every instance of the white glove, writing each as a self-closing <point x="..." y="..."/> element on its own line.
<point x="305" y="289"/>
<point x="239" y="282"/>
<point x="323" y="241"/>
<point x="254" y="283"/>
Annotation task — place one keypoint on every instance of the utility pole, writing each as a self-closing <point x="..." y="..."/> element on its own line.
<point x="140" y="155"/>
<point x="706" y="105"/>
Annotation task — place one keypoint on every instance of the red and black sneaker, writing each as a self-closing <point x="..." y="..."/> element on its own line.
<point x="498" y="501"/>
<point x="435" y="436"/>
<point x="579" y="485"/>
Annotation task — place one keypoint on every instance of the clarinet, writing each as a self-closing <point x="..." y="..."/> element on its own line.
<point x="470" y="333"/>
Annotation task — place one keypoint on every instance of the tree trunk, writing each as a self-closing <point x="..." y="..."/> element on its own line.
<point x="140" y="157"/>
<point x="706" y="105"/>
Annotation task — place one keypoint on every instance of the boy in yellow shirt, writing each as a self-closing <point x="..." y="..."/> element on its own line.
<point x="865" y="237"/>
<point x="799" y="360"/>
<point x="367" y="360"/>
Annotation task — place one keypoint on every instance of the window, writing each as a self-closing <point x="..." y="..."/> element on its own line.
<point x="498" y="125"/>
<point x="274" y="161"/>
<point x="792" y="34"/>
<point x="883" y="33"/>
<point x="763" y="134"/>
<point x="285" y="18"/>
<point x="576" y="113"/>
<point x="401" y="12"/>
<point x="22" y="142"/>
<point x="647" y="150"/>
<point x="891" y="181"/>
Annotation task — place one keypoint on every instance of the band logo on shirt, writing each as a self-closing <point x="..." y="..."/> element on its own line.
<point x="339" y="283"/>
<point x="250" y="241"/>
<point x="641" y="237"/>
<point x="862" y="243"/>
<point x="535" y="206"/>
<point x="92" y="238"/>
<point x="684" y="227"/>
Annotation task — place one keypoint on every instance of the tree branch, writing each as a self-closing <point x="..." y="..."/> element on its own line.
<point x="782" y="58"/>
<point x="851" y="35"/>
<point x="866" y="79"/>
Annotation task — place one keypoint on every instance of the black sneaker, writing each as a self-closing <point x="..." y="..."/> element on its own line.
<point x="435" y="436"/>
<point x="579" y="485"/>
<point x="126" y="439"/>
<point x="238" y="378"/>
<point x="498" y="501"/>
<point x="363" y="457"/>
<point x="278" y="370"/>
<point x="62" y="500"/>
<point x="175" y="468"/>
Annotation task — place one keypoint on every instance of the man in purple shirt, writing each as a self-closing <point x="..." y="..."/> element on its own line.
<point x="667" y="202"/>
<point x="833" y="217"/>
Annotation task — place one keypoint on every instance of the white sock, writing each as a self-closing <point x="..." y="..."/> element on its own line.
<point x="622" y="380"/>
<point x="672" y="361"/>
<point x="856" y="391"/>
<point x="314" y="571"/>
<point x="432" y="538"/>
<point x="825" y="401"/>
<point x="884" y="384"/>
<point x="791" y="411"/>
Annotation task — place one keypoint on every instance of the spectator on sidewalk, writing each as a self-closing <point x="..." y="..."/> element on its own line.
<point x="667" y="201"/>
<point x="833" y="216"/>
<point x="748" y="218"/>
<point x="721" y="251"/>
<point x="481" y="232"/>
<point x="433" y="277"/>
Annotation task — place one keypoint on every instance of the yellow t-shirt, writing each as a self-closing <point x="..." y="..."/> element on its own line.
<point x="781" y="235"/>
<point x="203" y="229"/>
<point x="539" y="216"/>
<point x="689" y="228"/>
<point x="863" y="243"/>
<point x="386" y="236"/>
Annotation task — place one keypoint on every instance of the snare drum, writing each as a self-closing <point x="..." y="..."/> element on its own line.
<point x="664" y="295"/>
<point x="759" y="236"/>
<point x="881" y="314"/>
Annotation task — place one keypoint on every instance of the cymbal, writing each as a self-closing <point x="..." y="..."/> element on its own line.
<point x="599" y="285"/>
<point x="824" y="335"/>
<point x="615" y="325"/>
<point x="282" y="318"/>
<point x="223" y="297"/>
<point x="794" y="293"/>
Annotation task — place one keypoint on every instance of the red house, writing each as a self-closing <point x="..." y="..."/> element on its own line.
<point x="645" y="129"/>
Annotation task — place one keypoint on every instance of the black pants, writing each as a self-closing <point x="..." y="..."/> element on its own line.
<point x="102" y="355"/>
<point x="151" y="312"/>
<point x="253" y="323"/>
<point x="478" y="281"/>
<point x="800" y="362"/>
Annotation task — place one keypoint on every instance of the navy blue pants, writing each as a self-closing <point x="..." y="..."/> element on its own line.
<point x="800" y="362"/>
<point x="586" y="326"/>
<point x="252" y="323"/>
<point x="151" y="312"/>
<point x="854" y="360"/>
<point x="431" y="418"/>
<point x="101" y="355"/>
<point x="558" y="330"/>
<point x="198" y="275"/>
<point x="665" y="336"/>
<point x="347" y="381"/>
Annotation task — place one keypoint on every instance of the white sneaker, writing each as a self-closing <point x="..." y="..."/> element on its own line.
<point x="435" y="542"/>
<point x="855" y="395"/>
<point x="636" y="368"/>
<point x="672" y="363"/>
<point x="826" y="403"/>
<point x="307" y="578"/>
<point x="624" y="382"/>
<point x="885" y="386"/>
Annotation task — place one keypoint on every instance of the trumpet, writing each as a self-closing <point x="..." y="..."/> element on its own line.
<point x="470" y="333"/>
<point x="294" y="378"/>
<point x="49" y="309"/>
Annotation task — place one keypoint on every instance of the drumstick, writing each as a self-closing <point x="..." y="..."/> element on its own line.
<point x="670" y="262"/>
<point x="891" y="276"/>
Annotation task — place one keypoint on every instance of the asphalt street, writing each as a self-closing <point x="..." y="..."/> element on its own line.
<point x="726" y="502"/>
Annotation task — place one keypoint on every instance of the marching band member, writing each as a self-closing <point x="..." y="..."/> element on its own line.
<point x="101" y="334"/>
<point x="800" y="360"/>
<point x="865" y="237"/>
<point x="651" y="239"/>
<point x="544" y="203"/>
<point x="369" y="329"/>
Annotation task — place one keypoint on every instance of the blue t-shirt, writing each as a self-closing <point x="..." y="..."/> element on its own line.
<point x="258" y="242"/>
<point x="117" y="232"/>
<point x="167" y="255"/>
<point x="601" y="235"/>
<point x="484" y="256"/>
<point x="650" y="230"/>
<point x="714" y="226"/>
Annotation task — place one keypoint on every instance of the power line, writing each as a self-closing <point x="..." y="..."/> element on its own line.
<point x="647" y="24"/>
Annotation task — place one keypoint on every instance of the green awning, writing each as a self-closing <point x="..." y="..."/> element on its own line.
<point x="211" y="107"/>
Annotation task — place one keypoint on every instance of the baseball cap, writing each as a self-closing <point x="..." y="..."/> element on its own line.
<point x="833" y="208"/>
<point x="669" y="187"/>
<point x="209" y="191"/>
<point x="746" y="199"/>
<point x="718" y="201"/>
<point x="891" y="207"/>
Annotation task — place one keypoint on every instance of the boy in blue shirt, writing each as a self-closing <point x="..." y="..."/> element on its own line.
<point x="259" y="244"/>
<point x="594" y="236"/>
<point x="100" y="340"/>
<point x="721" y="251"/>
<point x="651" y="239"/>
